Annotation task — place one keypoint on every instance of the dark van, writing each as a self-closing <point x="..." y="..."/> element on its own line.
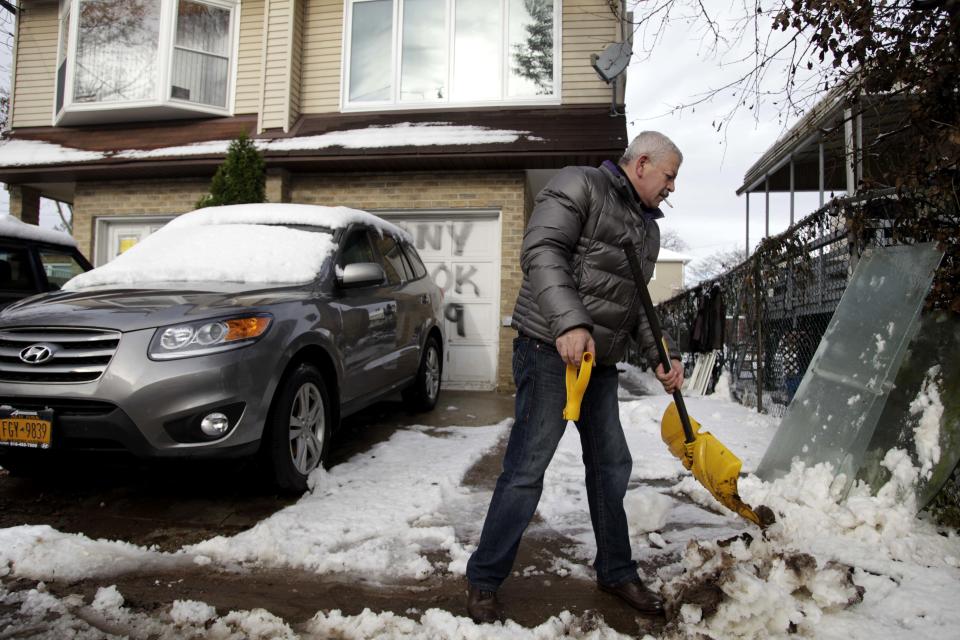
<point x="34" y="260"/>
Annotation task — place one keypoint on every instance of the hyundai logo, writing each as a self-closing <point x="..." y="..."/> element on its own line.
<point x="37" y="353"/>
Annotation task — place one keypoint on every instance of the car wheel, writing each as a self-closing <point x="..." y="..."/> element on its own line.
<point x="422" y="396"/>
<point x="299" y="425"/>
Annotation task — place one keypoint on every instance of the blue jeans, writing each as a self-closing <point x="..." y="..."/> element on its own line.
<point x="541" y="395"/>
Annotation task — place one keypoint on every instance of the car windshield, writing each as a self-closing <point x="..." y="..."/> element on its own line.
<point x="238" y="253"/>
<point x="59" y="267"/>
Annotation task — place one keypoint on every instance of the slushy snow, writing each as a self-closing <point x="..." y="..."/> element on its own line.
<point x="859" y="566"/>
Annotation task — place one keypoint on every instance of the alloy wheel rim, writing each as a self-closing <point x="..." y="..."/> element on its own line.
<point x="432" y="373"/>
<point x="307" y="422"/>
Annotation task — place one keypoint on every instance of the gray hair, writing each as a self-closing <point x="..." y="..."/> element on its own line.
<point x="650" y="143"/>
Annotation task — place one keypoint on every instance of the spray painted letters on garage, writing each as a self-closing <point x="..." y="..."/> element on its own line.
<point x="462" y="254"/>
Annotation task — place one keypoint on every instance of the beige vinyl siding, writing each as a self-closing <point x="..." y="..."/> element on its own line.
<point x="588" y="27"/>
<point x="322" y="47"/>
<point x="667" y="282"/>
<point x="249" y="57"/>
<point x="296" y="62"/>
<point x="276" y="82"/>
<point x="35" y="84"/>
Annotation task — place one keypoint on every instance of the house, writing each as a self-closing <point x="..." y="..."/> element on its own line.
<point x="446" y="116"/>
<point x="668" y="275"/>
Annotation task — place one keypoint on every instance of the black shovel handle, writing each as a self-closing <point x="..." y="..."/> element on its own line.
<point x="628" y="248"/>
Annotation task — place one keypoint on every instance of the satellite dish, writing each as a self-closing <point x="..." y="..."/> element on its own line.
<point x="612" y="62"/>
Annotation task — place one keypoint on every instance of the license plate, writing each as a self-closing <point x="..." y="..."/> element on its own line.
<point x="20" y="428"/>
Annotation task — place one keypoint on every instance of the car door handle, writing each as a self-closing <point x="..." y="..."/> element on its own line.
<point x="424" y="298"/>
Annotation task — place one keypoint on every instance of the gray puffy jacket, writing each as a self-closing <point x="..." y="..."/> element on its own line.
<point x="575" y="273"/>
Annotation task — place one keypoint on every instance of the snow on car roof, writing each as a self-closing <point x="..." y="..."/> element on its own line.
<point x="13" y="227"/>
<point x="246" y="243"/>
<point x="281" y="213"/>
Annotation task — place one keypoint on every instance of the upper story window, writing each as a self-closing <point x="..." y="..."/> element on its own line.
<point x="442" y="52"/>
<point x="141" y="59"/>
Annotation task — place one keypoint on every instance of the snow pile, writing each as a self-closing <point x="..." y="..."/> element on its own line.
<point x="42" y="615"/>
<point x="377" y="515"/>
<point x="641" y="381"/>
<point x="859" y="548"/>
<point x="751" y="589"/>
<point x="647" y="510"/>
<point x="11" y="227"/>
<point x="43" y="553"/>
<point x="926" y="435"/>
<point x="723" y="389"/>
<point x="436" y="623"/>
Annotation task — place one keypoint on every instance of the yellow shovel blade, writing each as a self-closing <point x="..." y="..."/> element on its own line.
<point x="713" y="465"/>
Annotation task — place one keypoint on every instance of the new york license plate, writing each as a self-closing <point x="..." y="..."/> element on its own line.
<point x="20" y="428"/>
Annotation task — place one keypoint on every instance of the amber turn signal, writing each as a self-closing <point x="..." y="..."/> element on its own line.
<point x="246" y="328"/>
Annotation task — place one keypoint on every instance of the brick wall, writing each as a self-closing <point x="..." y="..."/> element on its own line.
<point x="130" y="198"/>
<point x="496" y="190"/>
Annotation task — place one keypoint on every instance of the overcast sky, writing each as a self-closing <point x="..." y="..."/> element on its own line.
<point x="707" y="214"/>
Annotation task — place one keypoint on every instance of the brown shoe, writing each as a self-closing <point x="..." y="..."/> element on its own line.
<point x="637" y="596"/>
<point x="483" y="606"/>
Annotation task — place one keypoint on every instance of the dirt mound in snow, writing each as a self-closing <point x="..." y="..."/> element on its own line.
<point x="750" y="588"/>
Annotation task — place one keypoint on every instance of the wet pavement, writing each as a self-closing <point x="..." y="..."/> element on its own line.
<point x="175" y="504"/>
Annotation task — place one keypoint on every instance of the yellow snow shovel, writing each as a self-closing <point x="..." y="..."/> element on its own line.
<point x="577" y="381"/>
<point x="713" y="465"/>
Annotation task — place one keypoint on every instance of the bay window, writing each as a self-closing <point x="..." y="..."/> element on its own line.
<point x="143" y="59"/>
<point x="443" y="52"/>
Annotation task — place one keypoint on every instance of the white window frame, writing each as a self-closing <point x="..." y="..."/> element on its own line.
<point x="396" y="63"/>
<point x="162" y="105"/>
<point x="101" y="226"/>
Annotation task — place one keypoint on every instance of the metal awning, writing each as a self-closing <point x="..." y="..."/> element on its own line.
<point x="840" y="142"/>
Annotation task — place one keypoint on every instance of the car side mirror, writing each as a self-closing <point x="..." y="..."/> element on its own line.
<point x="362" y="274"/>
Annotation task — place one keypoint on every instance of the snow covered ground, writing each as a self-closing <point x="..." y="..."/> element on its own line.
<point x="861" y="566"/>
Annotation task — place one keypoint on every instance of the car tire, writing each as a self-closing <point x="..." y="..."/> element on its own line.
<point x="423" y="394"/>
<point x="299" y="428"/>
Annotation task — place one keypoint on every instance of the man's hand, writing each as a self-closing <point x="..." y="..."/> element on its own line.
<point x="573" y="344"/>
<point x="671" y="381"/>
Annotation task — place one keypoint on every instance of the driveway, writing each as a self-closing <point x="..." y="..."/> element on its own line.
<point x="168" y="506"/>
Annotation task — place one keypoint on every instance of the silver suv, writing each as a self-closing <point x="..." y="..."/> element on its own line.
<point x="231" y="331"/>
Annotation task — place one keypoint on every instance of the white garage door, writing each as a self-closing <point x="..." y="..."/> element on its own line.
<point x="462" y="254"/>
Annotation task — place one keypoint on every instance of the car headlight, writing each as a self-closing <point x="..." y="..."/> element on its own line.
<point x="206" y="336"/>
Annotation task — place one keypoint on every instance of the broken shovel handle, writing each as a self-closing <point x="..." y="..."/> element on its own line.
<point x="577" y="379"/>
<point x="654" y="321"/>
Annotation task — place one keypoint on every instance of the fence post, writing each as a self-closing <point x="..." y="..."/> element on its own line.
<point x="758" y="319"/>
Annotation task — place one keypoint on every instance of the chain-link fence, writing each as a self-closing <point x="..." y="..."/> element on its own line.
<point x="778" y="303"/>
